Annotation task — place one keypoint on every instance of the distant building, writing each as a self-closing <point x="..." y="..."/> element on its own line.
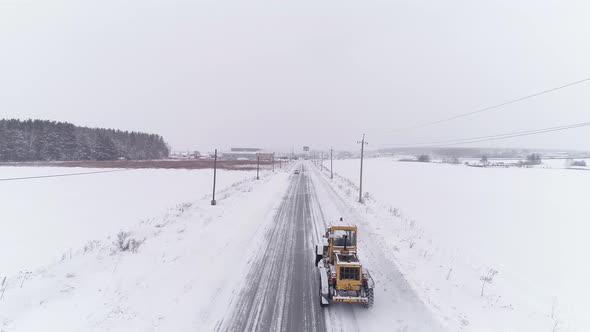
<point x="267" y="156"/>
<point x="245" y="149"/>
<point x="185" y="155"/>
<point x="246" y="154"/>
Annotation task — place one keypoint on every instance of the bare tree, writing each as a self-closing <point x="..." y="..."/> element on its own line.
<point x="534" y="159"/>
<point x="424" y="158"/>
<point x="484" y="160"/>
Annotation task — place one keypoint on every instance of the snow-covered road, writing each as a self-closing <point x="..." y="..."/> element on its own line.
<point x="281" y="289"/>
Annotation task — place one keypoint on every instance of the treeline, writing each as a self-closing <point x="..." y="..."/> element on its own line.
<point x="39" y="140"/>
<point x="459" y="152"/>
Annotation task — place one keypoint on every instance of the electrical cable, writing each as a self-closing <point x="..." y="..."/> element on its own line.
<point x="492" y="137"/>
<point x="61" y="175"/>
<point x="426" y="124"/>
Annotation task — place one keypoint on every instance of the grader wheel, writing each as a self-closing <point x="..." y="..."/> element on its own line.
<point x="371" y="297"/>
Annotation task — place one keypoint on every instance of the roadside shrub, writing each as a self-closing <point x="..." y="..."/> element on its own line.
<point x="3" y="286"/>
<point x="487" y="277"/>
<point x="125" y="242"/>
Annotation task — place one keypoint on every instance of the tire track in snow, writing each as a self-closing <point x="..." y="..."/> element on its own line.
<point x="281" y="288"/>
<point x="339" y="317"/>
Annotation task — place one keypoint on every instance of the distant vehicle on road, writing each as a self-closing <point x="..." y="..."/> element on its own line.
<point x="296" y="171"/>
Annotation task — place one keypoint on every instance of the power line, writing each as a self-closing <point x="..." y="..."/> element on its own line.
<point x="494" y="106"/>
<point x="496" y="135"/>
<point x="61" y="175"/>
<point x="493" y="137"/>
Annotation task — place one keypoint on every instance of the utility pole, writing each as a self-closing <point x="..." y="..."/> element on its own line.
<point x="273" y="161"/>
<point x="213" y="201"/>
<point x="362" y="143"/>
<point x="257" y="166"/>
<point x="331" y="164"/>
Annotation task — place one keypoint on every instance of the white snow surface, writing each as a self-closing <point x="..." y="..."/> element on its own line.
<point x="43" y="219"/>
<point x="188" y="265"/>
<point x="444" y="221"/>
<point x="442" y="226"/>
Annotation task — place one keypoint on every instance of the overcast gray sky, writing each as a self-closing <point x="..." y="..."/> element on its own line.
<point x="210" y="73"/>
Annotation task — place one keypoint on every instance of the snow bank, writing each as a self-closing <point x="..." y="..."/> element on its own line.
<point x="42" y="219"/>
<point x="398" y="307"/>
<point x="448" y="225"/>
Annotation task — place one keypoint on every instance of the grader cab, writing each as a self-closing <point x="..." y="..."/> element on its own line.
<point x="342" y="276"/>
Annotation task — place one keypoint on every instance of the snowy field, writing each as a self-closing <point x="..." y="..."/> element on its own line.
<point x="545" y="163"/>
<point x="168" y="273"/>
<point x="43" y="219"/>
<point x="447" y="225"/>
<point x="442" y="226"/>
<point x="185" y="270"/>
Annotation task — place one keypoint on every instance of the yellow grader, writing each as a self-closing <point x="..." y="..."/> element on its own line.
<point x="342" y="276"/>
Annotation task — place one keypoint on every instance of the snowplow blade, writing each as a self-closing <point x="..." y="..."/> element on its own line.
<point x="350" y="299"/>
<point x="324" y="286"/>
